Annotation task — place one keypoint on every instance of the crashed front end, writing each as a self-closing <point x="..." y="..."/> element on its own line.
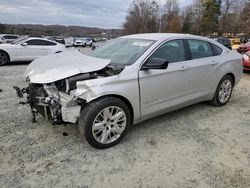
<point x="54" y="102"/>
<point x="61" y="100"/>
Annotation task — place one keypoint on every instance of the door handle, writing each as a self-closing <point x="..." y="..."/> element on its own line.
<point x="183" y="68"/>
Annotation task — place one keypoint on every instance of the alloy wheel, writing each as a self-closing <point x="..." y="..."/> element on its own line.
<point x="109" y="125"/>
<point x="225" y="91"/>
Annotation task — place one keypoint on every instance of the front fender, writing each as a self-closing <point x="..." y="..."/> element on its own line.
<point x="93" y="89"/>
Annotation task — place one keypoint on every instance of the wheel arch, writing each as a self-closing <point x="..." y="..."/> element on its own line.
<point x="122" y="98"/>
<point x="218" y="81"/>
<point x="232" y="76"/>
<point x="5" y="53"/>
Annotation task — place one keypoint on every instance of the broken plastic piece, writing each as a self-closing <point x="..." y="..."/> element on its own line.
<point x="18" y="91"/>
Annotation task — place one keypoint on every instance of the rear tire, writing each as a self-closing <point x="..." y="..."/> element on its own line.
<point x="4" y="58"/>
<point x="104" y="122"/>
<point x="223" y="92"/>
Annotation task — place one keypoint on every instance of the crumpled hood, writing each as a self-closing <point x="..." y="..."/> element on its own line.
<point x="56" y="67"/>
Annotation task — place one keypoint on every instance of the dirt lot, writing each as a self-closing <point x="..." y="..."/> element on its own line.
<point x="200" y="146"/>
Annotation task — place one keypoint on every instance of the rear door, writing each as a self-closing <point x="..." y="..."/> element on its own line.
<point x="202" y="67"/>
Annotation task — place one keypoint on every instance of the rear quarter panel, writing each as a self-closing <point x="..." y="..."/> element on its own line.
<point x="230" y="62"/>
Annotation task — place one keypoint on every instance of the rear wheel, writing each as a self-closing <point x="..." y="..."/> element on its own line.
<point x="4" y="58"/>
<point x="223" y="92"/>
<point x="103" y="123"/>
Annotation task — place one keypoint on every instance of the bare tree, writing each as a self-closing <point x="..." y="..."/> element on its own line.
<point x="226" y="6"/>
<point x="244" y="18"/>
<point x="171" y="17"/>
<point x="188" y="20"/>
<point x="143" y="17"/>
<point x="197" y="17"/>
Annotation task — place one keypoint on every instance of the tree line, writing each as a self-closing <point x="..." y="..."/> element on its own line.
<point x="56" y="30"/>
<point x="202" y="17"/>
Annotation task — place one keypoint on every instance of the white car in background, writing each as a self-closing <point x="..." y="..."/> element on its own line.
<point x="83" y="42"/>
<point x="8" y="38"/>
<point x="28" y="49"/>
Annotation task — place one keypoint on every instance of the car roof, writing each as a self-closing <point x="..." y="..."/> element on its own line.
<point x="164" y="36"/>
<point x="161" y="37"/>
<point x="8" y="34"/>
<point x="39" y="38"/>
<point x="36" y="38"/>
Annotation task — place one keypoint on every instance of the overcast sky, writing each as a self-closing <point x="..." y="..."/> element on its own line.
<point x="93" y="13"/>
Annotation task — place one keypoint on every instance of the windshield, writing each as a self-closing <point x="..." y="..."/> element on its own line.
<point x="122" y="50"/>
<point x="20" y="40"/>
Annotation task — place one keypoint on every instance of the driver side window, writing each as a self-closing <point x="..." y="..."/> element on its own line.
<point x="172" y="51"/>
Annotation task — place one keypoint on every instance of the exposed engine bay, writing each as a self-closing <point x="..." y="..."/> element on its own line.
<point x="57" y="101"/>
<point x="69" y="84"/>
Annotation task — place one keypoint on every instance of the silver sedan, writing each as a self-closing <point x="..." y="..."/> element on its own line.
<point x="128" y="80"/>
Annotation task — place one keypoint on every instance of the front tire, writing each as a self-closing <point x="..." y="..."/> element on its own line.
<point x="4" y="58"/>
<point x="104" y="123"/>
<point x="223" y="92"/>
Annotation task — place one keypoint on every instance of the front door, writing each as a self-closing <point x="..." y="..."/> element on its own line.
<point x="163" y="89"/>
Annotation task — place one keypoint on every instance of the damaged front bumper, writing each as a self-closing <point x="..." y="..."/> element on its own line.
<point x="47" y="100"/>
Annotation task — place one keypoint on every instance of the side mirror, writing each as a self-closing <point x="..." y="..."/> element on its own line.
<point x="155" y="63"/>
<point x="24" y="44"/>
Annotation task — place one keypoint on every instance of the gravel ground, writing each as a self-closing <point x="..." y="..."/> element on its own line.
<point x="199" y="146"/>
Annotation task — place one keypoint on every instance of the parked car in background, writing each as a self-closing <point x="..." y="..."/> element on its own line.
<point x="99" y="39"/>
<point x="244" y="48"/>
<point x="246" y="61"/>
<point x="28" y="49"/>
<point x="235" y="43"/>
<point x="130" y="79"/>
<point x="83" y="42"/>
<point x="57" y="39"/>
<point x="78" y="42"/>
<point x="69" y="41"/>
<point x="224" y="41"/>
<point x="8" y="38"/>
<point x="89" y="42"/>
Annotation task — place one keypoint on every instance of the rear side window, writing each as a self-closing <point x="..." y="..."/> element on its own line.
<point x="172" y="51"/>
<point x="200" y="49"/>
<point x="216" y="50"/>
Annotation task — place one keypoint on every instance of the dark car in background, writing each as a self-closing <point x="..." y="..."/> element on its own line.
<point x="244" y="48"/>
<point x="224" y="41"/>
